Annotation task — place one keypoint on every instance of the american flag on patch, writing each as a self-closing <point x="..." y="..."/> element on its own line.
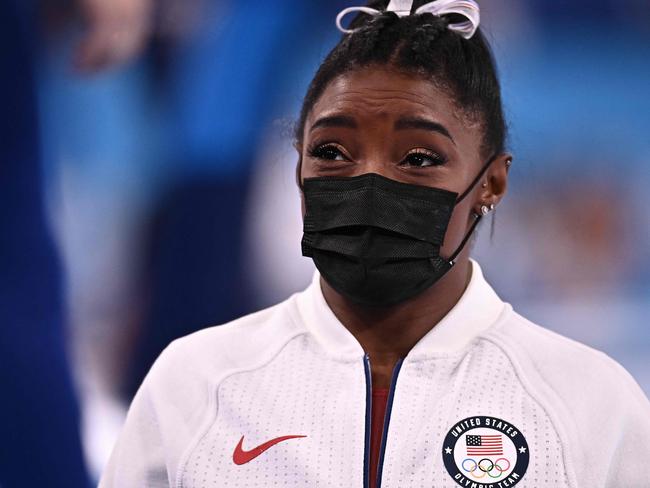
<point x="484" y="445"/>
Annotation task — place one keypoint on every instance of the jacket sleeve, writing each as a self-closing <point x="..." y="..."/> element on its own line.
<point x="166" y="413"/>
<point x="627" y="465"/>
<point x="138" y="457"/>
<point x="599" y="411"/>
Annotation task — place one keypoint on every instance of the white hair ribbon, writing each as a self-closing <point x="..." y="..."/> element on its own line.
<point x="466" y="8"/>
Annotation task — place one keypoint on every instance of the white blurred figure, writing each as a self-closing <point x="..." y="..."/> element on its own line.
<point x="89" y="90"/>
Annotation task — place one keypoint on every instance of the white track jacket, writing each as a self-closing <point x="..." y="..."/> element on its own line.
<point x="281" y="398"/>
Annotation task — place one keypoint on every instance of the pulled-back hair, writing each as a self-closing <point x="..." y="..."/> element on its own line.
<point x="421" y="45"/>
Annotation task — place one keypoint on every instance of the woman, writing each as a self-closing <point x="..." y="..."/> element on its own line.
<point x="399" y="366"/>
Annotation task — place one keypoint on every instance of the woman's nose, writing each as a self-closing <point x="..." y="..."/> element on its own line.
<point x="382" y="165"/>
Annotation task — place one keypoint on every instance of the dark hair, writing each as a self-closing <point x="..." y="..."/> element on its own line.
<point x="424" y="46"/>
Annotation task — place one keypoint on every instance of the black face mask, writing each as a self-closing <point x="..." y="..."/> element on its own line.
<point x="377" y="241"/>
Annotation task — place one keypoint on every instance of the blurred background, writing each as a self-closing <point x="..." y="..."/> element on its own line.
<point x="147" y="190"/>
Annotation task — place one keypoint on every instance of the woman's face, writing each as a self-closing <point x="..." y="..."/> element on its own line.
<point x="402" y="127"/>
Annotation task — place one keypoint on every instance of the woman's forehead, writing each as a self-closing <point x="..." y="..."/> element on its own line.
<point x="382" y="89"/>
<point x="374" y="93"/>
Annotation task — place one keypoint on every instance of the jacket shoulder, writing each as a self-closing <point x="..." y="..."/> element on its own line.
<point x="240" y="344"/>
<point x="568" y="366"/>
<point x="597" y="408"/>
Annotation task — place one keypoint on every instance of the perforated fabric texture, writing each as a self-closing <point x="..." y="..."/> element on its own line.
<point x="293" y="396"/>
<point x="432" y="395"/>
<point x="374" y="200"/>
<point x="299" y="392"/>
<point x="375" y="240"/>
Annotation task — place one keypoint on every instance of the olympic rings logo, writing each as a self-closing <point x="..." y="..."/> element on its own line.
<point x="485" y="467"/>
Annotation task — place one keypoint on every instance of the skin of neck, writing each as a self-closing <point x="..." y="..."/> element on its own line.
<point x="387" y="334"/>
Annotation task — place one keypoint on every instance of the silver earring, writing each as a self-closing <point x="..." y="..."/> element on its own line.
<point x="492" y="207"/>
<point x="508" y="163"/>
<point x="485" y="210"/>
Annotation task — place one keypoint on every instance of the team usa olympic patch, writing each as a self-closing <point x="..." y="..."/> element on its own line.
<point x="482" y="452"/>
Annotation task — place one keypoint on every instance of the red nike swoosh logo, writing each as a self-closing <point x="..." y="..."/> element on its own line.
<point x="240" y="456"/>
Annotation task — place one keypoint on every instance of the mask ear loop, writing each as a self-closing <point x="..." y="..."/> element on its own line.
<point x="477" y="220"/>
<point x="477" y="179"/>
<point x="477" y="217"/>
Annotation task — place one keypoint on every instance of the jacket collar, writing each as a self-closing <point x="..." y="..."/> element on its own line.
<point x="478" y="308"/>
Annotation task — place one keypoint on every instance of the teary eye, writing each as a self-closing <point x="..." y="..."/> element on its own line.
<point x="328" y="152"/>
<point x="421" y="158"/>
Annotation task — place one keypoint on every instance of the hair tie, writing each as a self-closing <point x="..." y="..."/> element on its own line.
<point x="466" y="8"/>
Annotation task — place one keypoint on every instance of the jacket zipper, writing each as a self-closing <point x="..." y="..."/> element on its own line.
<point x="366" y="449"/>
<point x="384" y="435"/>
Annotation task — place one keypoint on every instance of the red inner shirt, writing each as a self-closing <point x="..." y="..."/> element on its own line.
<point x="379" y="400"/>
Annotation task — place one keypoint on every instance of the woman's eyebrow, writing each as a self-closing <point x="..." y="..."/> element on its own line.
<point x="405" y="123"/>
<point x="334" y="121"/>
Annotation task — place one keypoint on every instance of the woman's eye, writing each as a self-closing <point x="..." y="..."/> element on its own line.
<point x="328" y="152"/>
<point x="421" y="159"/>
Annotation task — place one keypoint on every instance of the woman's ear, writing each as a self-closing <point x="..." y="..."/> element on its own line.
<point x="495" y="182"/>
<point x="298" y="147"/>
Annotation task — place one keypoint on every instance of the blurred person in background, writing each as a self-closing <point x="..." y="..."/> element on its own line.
<point x="223" y="90"/>
<point x="148" y="163"/>
<point x="94" y="111"/>
<point x="41" y="444"/>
